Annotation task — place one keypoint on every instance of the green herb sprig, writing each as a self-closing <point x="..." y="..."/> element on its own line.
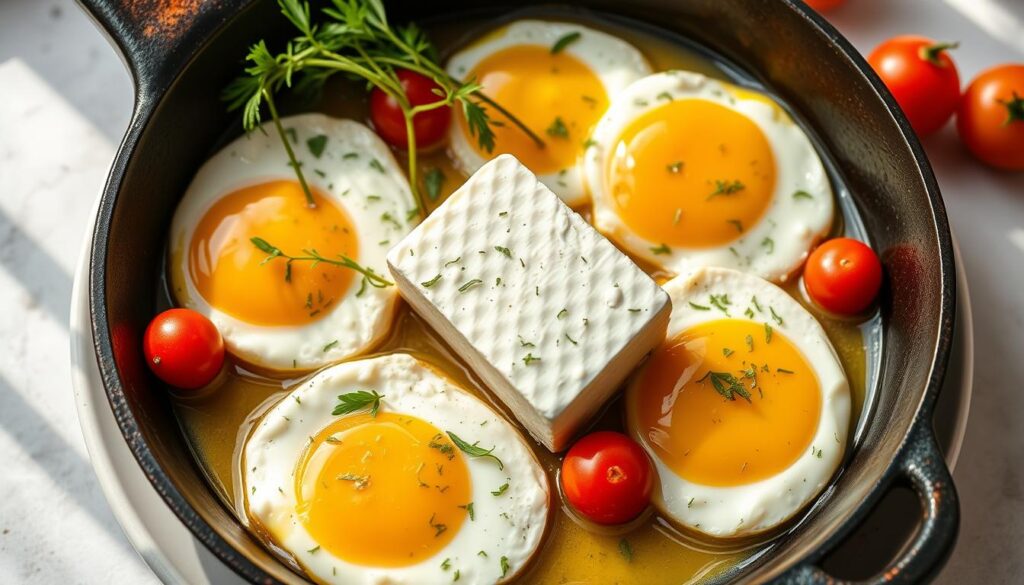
<point x="474" y="450"/>
<point x="273" y="253"/>
<point x="356" y="401"/>
<point x="356" y="39"/>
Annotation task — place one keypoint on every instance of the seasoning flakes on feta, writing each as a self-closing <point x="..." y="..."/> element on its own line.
<point x="543" y="308"/>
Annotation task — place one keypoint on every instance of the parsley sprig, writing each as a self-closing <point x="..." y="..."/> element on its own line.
<point x="273" y="253"/>
<point x="356" y="401"/>
<point x="474" y="450"/>
<point x="355" y="39"/>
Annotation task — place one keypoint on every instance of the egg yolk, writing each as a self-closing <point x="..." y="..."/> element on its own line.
<point x="728" y="402"/>
<point x="384" y="491"/>
<point x="235" y="277"/>
<point x="691" y="173"/>
<point x="555" y="95"/>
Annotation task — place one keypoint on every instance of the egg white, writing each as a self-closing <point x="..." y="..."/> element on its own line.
<point x="358" y="321"/>
<point x="615" y="62"/>
<point x="742" y="510"/>
<point x="793" y="224"/>
<point x="510" y="525"/>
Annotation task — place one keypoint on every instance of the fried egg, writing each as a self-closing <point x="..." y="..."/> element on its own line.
<point x="558" y="79"/>
<point x="686" y="171"/>
<point x="389" y="495"/>
<point x="282" y="315"/>
<point x="744" y="408"/>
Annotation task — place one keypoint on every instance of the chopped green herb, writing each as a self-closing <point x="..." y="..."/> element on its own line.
<point x="662" y="249"/>
<point x="450" y="262"/>
<point x="438" y="527"/>
<point x="767" y="333"/>
<point x="562" y="313"/>
<point x="726" y="188"/>
<point x="356" y="401"/>
<point x="470" y="285"/>
<point x="768" y="243"/>
<point x="438" y="442"/>
<point x="482" y="554"/>
<point x="665" y="96"/>
<point x="469" y="510"/>
<point x="694" y="305"/>
<point x="474" y="450"/>
<point x="736" y="224"/>
<point x="433" y="179"/>
<point x="317" y="144"/>
<point x="727" y="352"/>
<point x="504" y="251"/>
<point x="784" y="371"/>
<point x="775" y="316"/>
<point x="446" y="564"/>
<point x="626" y="550"/>
<point x="530" y="358"/>
<point x="431" y="282"/>
<point x="525" y="343"/>
<point x="727" y="385"/>
<point x="720" y="302"/>
<point x="571" y="340"/>
<point x="330" y="345"/>
<point x="375" y="165"/>
<point x="504" y="566"/>
<point x="565" y="41"/>
<point x="589" y="142"/>
<point x="690" y="503"/>
<point x="750" y="343"/>
<point x="802" y="195"/>
<point x="558" y="129"/>
<point x="501" y="489"/>
<point x="358" y="481"/>
<point x="314" y="549"/>
<point x="350" y="155"/>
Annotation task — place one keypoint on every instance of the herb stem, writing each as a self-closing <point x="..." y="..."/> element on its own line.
<point x="288" y="148"/>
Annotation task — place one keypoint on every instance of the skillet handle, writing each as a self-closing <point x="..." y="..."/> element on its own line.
<point x="156" y="39"/>
<point x="922" y="464"/>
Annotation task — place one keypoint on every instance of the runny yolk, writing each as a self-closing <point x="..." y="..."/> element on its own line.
<point x="683" y="412"/>
<point x="691" y="173"/>
<point x="230" y="272"/>
<point x="556" y="95"/>
<point x="384" y="491"/>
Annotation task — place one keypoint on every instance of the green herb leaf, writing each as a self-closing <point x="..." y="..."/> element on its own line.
<point x="694" y="305"/>
<point x="802" y="195"/>
<point x="660" y="250"/>
<point x="558" y="129"/>
<point x="317" y="144"/>
<point x="726" y="188"/>
<point x="564" y="42"/>
<point x="501" y="489"/>
<point x="727" y="385"/>
<point x="504" y="566"/>
<point x="431" y="282"/>
<point x="470" y="285"/>
<point x="469" y="510"/>
<point x="474" y="450"/>
<point x="626" y="550"/>
<point x="356" y="401"/>
<point x="433" y="179"/>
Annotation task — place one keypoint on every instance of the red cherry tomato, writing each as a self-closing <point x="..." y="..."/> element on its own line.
<point x="991" y="117"/>
<point x="922" y="77"/>
<point x="183" y="348"/>
<point x="606" y="477"/>
<point x="843" y="276"/>
<point x="389" y="121"/>
<point x="824" y="5"/>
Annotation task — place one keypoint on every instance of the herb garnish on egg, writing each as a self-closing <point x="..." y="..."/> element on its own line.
<point x="273" y="252"/>
<point x="358" y="41"/>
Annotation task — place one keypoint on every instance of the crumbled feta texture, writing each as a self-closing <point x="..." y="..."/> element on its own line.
<point x="549" y="313"/>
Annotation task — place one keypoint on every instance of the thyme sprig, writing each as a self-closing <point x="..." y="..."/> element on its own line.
<point x="273" y="253"/>
<point x="356" y="40"/>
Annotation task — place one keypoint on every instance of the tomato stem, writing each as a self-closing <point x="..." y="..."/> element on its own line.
<point x="932" y="52"/>
<point x="1014" y="109"/>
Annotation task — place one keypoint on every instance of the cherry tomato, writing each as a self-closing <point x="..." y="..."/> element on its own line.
<point x="606" y="477"/>
<point x="824" y="5"/>
<point x="991" y="117"/>
<point x="183" y="348"/>
<point x="922" y="77"/>
<point x="843" y="276"/>
<point x="389" y="121"/>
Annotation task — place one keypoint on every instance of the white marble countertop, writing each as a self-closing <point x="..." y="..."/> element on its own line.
<point x="55" y="526"/>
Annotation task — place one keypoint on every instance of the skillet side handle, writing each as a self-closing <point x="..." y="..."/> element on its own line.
<point x="156" y="39"/>
<point x="923" y="465"/>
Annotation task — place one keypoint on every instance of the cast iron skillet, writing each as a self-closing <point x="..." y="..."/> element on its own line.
<point x="182" y="52"/>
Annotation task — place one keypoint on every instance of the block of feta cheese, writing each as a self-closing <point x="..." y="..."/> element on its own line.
<point x="549" y="313"/>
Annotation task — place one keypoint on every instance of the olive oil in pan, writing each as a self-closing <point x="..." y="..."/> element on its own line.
<point x="653" y="551"/>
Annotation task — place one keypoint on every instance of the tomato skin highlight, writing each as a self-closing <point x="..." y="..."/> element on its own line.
<point x="825" y="5"/>
<point x="927" y="92"/>
<point x="843" y="276"/>
<point x="607" y="478"/>
<point x="388" y="120"/>
<point x="990" y="120"/>
<point x="183" y="348"/>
